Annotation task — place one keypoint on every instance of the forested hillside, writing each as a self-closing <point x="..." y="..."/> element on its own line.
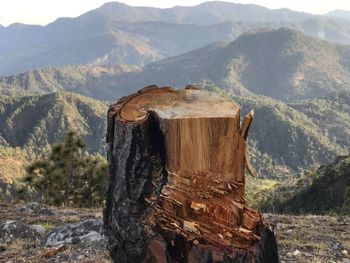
<point x="327" y="192"/>
<point x="285" y="138"/>
<point x="35" y="122"/>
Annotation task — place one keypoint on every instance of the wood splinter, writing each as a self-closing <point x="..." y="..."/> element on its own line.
<point x="176" y="180"/>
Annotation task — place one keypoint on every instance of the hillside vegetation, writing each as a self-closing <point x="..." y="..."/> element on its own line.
<point x="95" y="82"/>
<point x="35" y="122"/>
<point x="284" y="140"/>
<point x="327" y="192"/>
<point x="330" y="114"/>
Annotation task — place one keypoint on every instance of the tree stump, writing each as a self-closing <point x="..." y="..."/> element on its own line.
<point x="176" y="181"/>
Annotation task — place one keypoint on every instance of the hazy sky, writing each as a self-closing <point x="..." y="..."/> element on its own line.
<point x="46" y="11"/>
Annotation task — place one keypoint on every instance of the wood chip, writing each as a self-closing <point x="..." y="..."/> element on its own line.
<point x="53" y="251"/>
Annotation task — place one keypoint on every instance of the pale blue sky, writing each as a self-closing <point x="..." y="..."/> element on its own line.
<point x="46" y="11"/>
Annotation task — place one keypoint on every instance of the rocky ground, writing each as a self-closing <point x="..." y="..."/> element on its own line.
<point x="312" y="238"/>
<point x="32" y="233"/>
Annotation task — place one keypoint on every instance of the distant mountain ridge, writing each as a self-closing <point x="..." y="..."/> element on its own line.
<point x="118" y="34"/>
<point x="338" y="13"/>
<point x="207" y="13"/>
<point x="100" y="41"/>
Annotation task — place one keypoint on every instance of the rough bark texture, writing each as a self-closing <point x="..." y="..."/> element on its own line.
<point x="176" y="181"/>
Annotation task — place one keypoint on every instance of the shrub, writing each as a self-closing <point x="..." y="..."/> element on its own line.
<point x="69" y="176"/>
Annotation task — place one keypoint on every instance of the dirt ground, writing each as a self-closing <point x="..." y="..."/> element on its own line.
<point x="306" y="238"/>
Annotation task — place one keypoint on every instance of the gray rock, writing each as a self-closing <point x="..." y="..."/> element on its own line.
<point x="280" y="226"/>
<point x="13" y="229"/>
<point x="29" y="208"/>
<point x="38" y="228"/>
<point x="87" y="231"/>
<point x="47" y="212"/>
<point x="336" y="246"/>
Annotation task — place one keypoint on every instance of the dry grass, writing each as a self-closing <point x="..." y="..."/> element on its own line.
<point x="317" y="238"/>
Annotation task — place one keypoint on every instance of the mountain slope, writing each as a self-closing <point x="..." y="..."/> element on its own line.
<point x="95" y="82"/>
<point x="328" y="192"/>
<point x="331" y="115"/>
<point x="34" y="122"/>
<point x="282" y="64"/>
<point x="284" y="141"/>
<point x="287" y="65"/>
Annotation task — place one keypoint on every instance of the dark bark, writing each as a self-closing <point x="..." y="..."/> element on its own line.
<point x="129" y="169"/>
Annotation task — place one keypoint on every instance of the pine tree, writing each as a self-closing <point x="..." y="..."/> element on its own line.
<point x="69" y="176"/>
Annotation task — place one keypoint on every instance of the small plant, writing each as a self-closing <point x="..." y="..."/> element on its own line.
<point x="48" y="226"/>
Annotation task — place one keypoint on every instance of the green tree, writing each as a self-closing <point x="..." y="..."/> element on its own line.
<point x="69" y="176"/>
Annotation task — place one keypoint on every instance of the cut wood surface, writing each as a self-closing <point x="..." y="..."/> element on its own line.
<point x="176" y="193"/>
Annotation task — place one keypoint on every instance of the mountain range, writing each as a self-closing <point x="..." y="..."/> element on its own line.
<point x="293" y="68"/>
<point x="283" y="64"/>
<point x="117" y="34"/>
